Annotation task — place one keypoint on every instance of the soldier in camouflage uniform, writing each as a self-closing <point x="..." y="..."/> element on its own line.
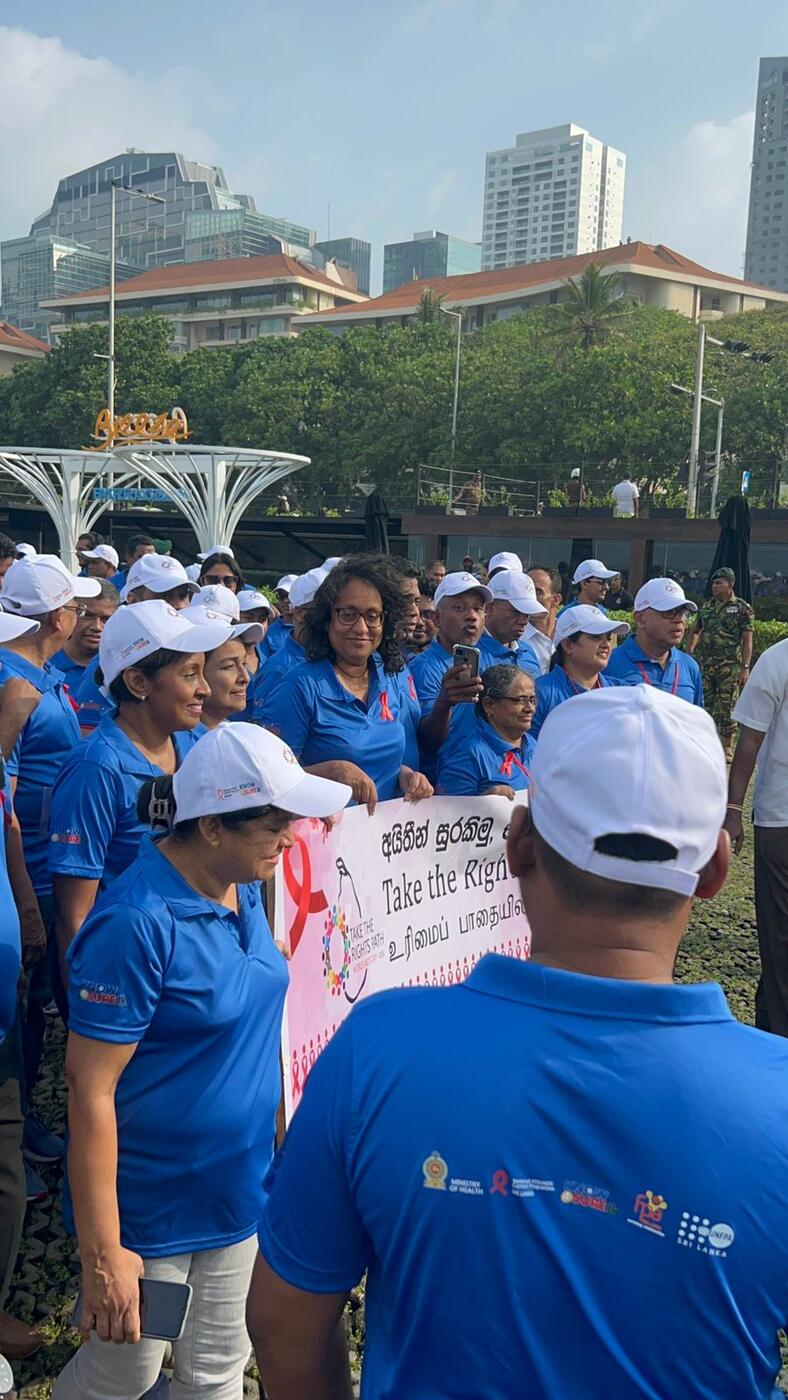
<point x="723" y="636"/>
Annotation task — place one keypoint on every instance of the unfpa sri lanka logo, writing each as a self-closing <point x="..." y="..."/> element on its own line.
<point x="336" y="950"/>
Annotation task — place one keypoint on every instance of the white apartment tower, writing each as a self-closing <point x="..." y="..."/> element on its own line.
<point x="553" y="193"/>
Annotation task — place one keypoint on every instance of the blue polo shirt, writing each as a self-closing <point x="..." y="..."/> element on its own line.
<point x="92" y="706"/>
<point x="71" y="671"/>
<point x="275" y="638"/>
<point x="322" y="722"/>
<point x="495" y="653"/>
<point x="505" y="1181"/>
<point x="483" y="760"/>
<point x="200" y="991"/>
<point x="10" y="944"/>
<point x="39" y="753"/>
<point x="555" y="687"/>
<point x="575" y="602"/>
<point x="681" y="676"/>
<point x="428" y="670"/>
<point x="271" y="672"/>
<point x="94" y="833"/>
<point x="410" y="715"/>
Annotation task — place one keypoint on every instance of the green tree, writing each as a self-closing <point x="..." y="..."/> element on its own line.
<point x="594" y="308"/>
<point x="430" y="304"/>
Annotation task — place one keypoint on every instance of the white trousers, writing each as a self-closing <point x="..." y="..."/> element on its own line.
<point x="210" y="1358"/>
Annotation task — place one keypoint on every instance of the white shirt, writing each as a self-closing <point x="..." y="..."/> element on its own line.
<point x="542" y="645"/>
<point x="625" y="494"/>
<point x="763" y="706"/>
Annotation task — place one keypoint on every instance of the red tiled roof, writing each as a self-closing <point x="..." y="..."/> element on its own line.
<point x="180" y="276"/>
<point x="11" y="338"/>
<point x="468" y="285"/>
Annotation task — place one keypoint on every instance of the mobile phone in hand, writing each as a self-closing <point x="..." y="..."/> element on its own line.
<point x="467" y="656"/>
<point x="164" y="1307"/>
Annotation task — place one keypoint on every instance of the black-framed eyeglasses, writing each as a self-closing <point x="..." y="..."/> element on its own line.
<point x="346" y="617"/>
<point x="227" y="580"/>
<point x="682" y="612"/>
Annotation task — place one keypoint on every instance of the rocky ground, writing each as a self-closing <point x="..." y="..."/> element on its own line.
<point x="721" y="945"/>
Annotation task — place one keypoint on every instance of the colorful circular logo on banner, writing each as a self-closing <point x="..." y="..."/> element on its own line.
<point x="336" y="924"/>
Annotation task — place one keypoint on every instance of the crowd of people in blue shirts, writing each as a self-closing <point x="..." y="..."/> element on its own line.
<point x="160" y="729"/>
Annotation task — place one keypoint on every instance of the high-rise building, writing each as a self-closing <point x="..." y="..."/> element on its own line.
<point x="241" y="233"/>
<point x="36" y="269"/>
<point x="766" y="259"/>
<point x="554" y="193"/>
<point x="353" y="253"/>
<point x="428" y="254"/>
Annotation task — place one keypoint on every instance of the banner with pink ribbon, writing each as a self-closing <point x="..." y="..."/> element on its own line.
<point x="411" y="896"/>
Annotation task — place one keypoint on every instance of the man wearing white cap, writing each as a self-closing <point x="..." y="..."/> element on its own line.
<point x="653" y="656"/>
<point x="590" y="1136"/>
<point x="506" y="618"/>
<point x="150" y="576"/>
<point x="103" y="562"/>
<point x="282" y="628"/>
<point x="38" y="730"/>
<point x="504" y="560"/>
<point x="460" y="601"/>
<point x="302" y="591"/>
<point x="591" y="579"/>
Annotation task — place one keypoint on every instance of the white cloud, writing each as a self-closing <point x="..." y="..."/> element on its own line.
<point x="694" y="195"/>
<point x="61" y="111"/>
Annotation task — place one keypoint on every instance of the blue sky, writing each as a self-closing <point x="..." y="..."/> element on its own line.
<point x="386" y="111"/>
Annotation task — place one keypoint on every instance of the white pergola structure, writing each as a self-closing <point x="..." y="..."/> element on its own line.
<point x="63" y="482"/>
<point x="211" y="486"/>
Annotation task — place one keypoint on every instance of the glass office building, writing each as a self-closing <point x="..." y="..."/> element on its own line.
<point x="35" y="269"/>
<point x="355" y="253"/>
<point x="429" y="254"/>
<point x="213" y="234"/>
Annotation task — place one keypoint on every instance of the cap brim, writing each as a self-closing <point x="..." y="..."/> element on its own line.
<point x="598" y="573"/>
<point x="603" y="628"/>
<point x="253" y="607"/>
<point x="202" y="636"/>
<point x="12" y="627"/>
<point x="476" y="588"/>
<point x="249" y="632"/>
<point x="87" y="587"/>
<point x="525" y="606"/>
<point x="315" y="797"/>
<point x="184" y="583"/>
<point x="671" y="607"/>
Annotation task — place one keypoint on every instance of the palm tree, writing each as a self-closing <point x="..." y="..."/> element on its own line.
<point x="593" y="309"/>
<point x="429" y="305"/>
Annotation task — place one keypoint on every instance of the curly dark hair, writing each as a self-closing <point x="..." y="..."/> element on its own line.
<point x="378" y="572"/>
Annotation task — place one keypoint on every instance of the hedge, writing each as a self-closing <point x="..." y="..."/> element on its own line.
<point x="765" y="633"/>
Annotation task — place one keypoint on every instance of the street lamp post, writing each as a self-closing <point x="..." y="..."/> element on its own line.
<point x="697" y="404"/>
<point x="455" y="404"/>
<point x="719" y="404"/>
<point x="110" y="357"/>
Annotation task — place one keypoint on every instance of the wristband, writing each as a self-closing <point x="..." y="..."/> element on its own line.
<point x="734" y="807"/>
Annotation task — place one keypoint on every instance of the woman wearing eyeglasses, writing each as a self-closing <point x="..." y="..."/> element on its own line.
<point x="151" y="661"/>
<point x="491" y="755"/>
<point x="176" y="999"/>
<point x="582" y="650"/>
<point x="341" y="709"/>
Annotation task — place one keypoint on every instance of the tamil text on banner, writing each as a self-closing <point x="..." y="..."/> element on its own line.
<point x="411" y="896"/>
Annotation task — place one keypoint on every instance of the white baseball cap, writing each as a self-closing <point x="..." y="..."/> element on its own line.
<point x="13" y="627"/>
<point x="216" y="549"/>
<point x="285" y="583"/>
<point x="305" y="587"/>
<point x="131" y="634"/>
<point x="655" y="746"/>
<point x="199" y="614"/>
<point x="105" y="552"/>
<point x="329" y="564"/>
<point x="159" y="573"/>
<point x="663" y="594"/>
<point x="219" y="599"/>
<point x="505" y="560"/>
<point x="240" y="766"/>
<point x="518" y="589"/>
<point x="193" y="572"/>
<point x="26" y="551"/>
<point x="39" y="584"/>
<point x="584" y="618"/>
<point x="591" y="568"/>
<point x="249" y="599"/>
<point x="461" y="582"/>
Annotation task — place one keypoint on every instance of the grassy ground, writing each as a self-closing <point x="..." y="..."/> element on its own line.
<point x="720" y="945"/>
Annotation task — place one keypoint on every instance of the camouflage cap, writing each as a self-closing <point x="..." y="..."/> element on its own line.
<point x="725" y="573"/>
